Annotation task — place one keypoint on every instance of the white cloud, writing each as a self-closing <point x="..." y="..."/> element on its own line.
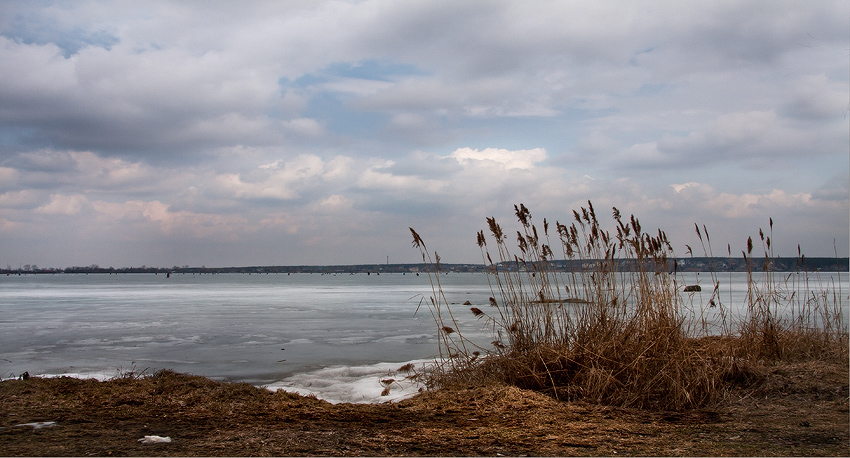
<point x="283" y="182"/>
<point x="337" y="201"/>
<point x="377" y="177"/>
<point x="817" y="97"/>
<point x="27" y="198"/>
<point x="8" y="177"/>
<point x="729" y="205"/>
<point x="517" y="159"/>
<point x="64" y="205"/>
<point x="153" y="220"/>
<point x="304" y="126"/>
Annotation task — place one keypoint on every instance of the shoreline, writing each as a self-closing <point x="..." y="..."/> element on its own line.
<point x="716" y="264"/>
<point x="336" y="384"/>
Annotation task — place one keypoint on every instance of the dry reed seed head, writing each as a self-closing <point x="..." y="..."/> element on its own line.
<point x="493" y="302"/>
<point x="386" y="391"/>
<point x="495" y="229"/>
<point x="532" y="241"/>
<point x="616" y="214"/>
<point x="522" y="214"/>
<point x="476" y="311"/>
<point x="417" y="240"/>
<point x="562" y="229"/>
<point x="523" y="246"/>
<point x="448" y="329"/>
<point x="749" y="245"/>
<point x="406" y="368"/>
<point x="482" y="242"/>
<point x="498" y="344"/>
<point x="387" y="381"/>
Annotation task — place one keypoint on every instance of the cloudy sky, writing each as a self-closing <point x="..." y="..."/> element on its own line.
<point x="316" y="132"/>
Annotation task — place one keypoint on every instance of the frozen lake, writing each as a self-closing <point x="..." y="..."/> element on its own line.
<point x="310" y="332"/>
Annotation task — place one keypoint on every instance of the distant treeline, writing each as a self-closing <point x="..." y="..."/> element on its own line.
<point x="692" y="264"/>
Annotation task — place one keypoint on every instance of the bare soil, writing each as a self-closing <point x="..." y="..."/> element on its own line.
<point x="793" y="410"/>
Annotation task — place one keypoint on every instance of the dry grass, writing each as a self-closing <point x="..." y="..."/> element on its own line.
<point x="624" y="336"/>
<point x="792" y="409"/>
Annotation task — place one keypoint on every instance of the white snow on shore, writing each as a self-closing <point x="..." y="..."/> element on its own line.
<point x="366" y="384"/>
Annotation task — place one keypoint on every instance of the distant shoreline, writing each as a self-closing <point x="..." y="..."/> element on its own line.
<point x="690" y="264"/>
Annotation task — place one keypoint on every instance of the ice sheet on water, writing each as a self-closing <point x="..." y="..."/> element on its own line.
<point x="356" y="384"/>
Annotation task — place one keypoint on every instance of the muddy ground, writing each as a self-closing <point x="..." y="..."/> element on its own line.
<point x="796" y="410"/>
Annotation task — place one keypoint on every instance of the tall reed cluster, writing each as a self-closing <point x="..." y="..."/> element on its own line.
<point x="610" y="324"/>
<point x="789" y="315"/>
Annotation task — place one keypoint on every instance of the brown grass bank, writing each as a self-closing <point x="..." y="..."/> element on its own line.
<point x="794" y="409"/>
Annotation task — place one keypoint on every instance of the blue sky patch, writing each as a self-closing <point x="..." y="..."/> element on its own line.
<point x="375" y="70"/>
<point x="40" y="31"/>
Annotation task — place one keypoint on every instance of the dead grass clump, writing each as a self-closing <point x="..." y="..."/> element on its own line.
<point x="608" y="323"/>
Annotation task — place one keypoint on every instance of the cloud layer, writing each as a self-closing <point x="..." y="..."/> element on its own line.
<point x="169" y="133"/>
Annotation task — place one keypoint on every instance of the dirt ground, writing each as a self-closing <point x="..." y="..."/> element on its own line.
<point x="798" y="410"/>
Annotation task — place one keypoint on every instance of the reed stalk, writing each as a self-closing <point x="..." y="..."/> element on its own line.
<point x="614" y="326"/>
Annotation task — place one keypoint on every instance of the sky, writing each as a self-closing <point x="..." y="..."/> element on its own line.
<point x="165" y="133"/>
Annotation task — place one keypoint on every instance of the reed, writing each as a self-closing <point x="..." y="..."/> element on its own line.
<point x="614" y="326"/>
